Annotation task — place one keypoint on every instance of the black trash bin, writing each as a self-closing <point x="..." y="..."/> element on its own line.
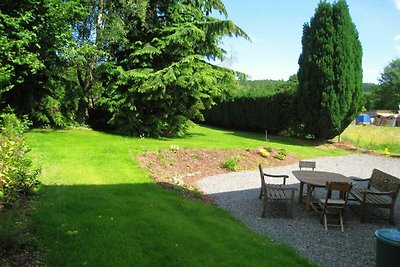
<point x="387" y="248"/>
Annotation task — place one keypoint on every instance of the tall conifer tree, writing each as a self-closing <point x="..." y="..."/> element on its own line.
<point x="330" y="74"/>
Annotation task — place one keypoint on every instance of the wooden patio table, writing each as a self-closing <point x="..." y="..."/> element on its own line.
<point x="317" y="179"/>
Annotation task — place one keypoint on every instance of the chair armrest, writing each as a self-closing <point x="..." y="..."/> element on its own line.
<point x="364" y="192"/>
<point x="276" y="176"/>
<point x="282" y="187"/>
<point x="357" y="179"/>
<point x="284" y="176"/>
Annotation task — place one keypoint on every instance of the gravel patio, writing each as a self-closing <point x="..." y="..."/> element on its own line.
<point x="238" y="193"/>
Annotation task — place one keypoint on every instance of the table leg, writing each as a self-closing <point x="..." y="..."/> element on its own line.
<point x="308" y="197"/>
<point x="301" y="192"/>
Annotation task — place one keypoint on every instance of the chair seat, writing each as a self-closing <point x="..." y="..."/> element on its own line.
<point x="331" y="201"/>
<point x="277" y="192"/>
<point x="370" y="198"/>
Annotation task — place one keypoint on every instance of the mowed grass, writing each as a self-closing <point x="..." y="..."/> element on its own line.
<point x="378" y="138"/>
<point x="99" y="208"/>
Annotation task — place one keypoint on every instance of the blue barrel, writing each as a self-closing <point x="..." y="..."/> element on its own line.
<point x="387" y="248"/>
<point x="363" y="119"/>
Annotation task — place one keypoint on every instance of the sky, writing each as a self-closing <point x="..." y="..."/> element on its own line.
<point x="276" y="29"/>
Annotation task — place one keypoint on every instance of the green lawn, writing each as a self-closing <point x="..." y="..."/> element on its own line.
<point x="378" y="138"/>
<point x="99" y="208"/>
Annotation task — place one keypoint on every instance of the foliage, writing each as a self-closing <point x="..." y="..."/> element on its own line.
<point x="261" y="88"/>
<point x="387" y="95"/>
<point x="369" y="87"/>
<point x="231" y="163"/>
<point x="263" y="152"/>
<point x="330" y="74"/>
<point x="16" y="174"/>
<point x="162" y="79"/>
<point x="274" y="113"/>
<point x="174" y="148"/>
<point x="268" y="148"/>
<point x="134" y="66"/>
<point x="281" y="154"/>
<point x="33" y="37"/>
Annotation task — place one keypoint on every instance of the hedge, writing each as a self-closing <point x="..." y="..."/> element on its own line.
<point x="274" y="113"/>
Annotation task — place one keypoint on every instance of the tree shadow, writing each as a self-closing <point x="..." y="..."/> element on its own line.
<point x="141" y="225"/>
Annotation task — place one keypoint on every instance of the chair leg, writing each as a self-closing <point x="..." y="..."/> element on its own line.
<point x="363" y="207"/>
<point x="301" y="192"/>
<point x="261" y="194"/>
<point x="326" y="222"/>
<point x="391" y="216"/>
<point x="291" y="204"/>
<point x="264" y="211"/>
<point x="341" y="220"/>
<point x="323" y="214"/>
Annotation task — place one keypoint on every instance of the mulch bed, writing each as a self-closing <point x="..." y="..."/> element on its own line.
<point x="183" y="167"/>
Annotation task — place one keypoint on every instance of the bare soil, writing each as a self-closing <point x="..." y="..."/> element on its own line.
<point x="183" y="167"/>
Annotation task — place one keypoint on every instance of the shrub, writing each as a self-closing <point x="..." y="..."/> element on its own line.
<point x="174" y="148"/>
<point x="231" y="163"/>
<point x="281" y="154"/>
<point x="269" y="149"/>
<point x="283" y="151"/>
<point x="17" y="176"/>
<point x="263" y="152"/>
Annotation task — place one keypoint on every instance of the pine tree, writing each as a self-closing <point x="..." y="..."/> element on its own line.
<point x="330" y="74"/>
<point x="163" y="79"/>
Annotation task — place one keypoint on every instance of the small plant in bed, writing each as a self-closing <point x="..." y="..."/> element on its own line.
<point x="281" y="154"/>
<point x="263" y="152"/>
<point x="231" y="163"/>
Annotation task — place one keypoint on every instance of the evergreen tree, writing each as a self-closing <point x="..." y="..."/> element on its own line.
<point x="330" y="74"/>
<point x="161" y="79"/>
<point x="33" y="37"/>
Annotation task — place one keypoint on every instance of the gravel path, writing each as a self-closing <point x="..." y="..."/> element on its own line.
<point x="238" y="193"/>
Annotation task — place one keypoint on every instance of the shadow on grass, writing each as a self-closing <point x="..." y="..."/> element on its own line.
<point x="277" y="139"/>
<point x="144" y="225"/>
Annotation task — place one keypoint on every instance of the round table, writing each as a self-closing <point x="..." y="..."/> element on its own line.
<point x="317" y="179"/>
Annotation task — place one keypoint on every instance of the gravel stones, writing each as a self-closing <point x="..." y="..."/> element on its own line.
<point x="238" y="193"/>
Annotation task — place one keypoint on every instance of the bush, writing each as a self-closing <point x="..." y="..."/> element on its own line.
<point x="17" y="176"/>
<point x="263" y="152"/>
<point x="281" y="154"/>
<point x="231" y="163"/>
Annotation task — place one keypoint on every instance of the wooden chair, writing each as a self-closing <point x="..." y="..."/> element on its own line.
<point x="381" y="192"/>
<point x="275" y="192"/>
<point x="307" y="164"/>
<point x="337" y="205"/>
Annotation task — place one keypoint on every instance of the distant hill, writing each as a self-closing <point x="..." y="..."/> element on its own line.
<point x="369" y="87"/>
<point x="260" y="88"/>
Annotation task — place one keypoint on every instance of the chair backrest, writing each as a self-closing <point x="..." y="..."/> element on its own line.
<point x="342" y="187"/>
<point x="307" y="164"/>
<point x="384" y="182"/>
